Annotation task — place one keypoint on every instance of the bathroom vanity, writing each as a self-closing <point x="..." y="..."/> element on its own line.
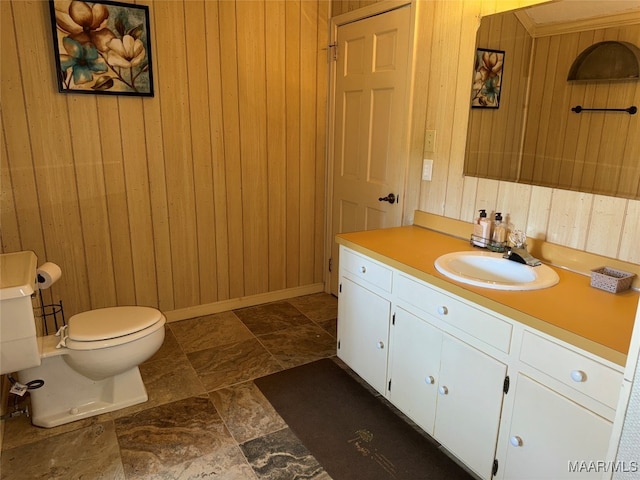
<point x="515" y="384"/>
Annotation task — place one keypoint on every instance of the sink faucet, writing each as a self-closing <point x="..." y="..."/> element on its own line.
<point x="521" y="255"/>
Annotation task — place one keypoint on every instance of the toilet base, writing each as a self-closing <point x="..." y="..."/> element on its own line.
<point x="68" y="396"/>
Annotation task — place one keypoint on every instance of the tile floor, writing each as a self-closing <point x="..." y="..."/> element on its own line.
<point x="205" y="417"/>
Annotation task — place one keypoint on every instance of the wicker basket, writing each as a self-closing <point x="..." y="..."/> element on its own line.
<point x="611" y="280"/>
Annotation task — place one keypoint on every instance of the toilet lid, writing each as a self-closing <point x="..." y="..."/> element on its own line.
<point x="111" y="322"/>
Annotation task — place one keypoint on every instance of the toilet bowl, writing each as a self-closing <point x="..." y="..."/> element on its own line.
<point x="91" y="365"/>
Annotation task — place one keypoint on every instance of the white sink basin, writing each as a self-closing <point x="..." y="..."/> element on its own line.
<point x="490" y="270"/>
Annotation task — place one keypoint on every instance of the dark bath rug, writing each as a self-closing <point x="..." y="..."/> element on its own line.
<point x="353" y="434"/>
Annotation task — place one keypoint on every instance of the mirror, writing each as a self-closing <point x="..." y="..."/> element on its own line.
<point x="534" y="136"/>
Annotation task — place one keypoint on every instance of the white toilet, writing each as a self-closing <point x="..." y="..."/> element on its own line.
<point x="91" y="365"/>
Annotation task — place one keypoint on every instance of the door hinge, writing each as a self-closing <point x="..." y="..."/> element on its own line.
<point x="333" y="51"/>
<point x="338" y="344"/>
<point x="389" y="387"/>
<point x="505" y="385"/>
<point x="393" y="319"/>
<point x="330" y="264"/>
<point x="340" y="289"/>
<point x="495" y="467"/>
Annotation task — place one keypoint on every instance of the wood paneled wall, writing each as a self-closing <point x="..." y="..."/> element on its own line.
<point x="212" y="190"/>
<point x="339" y="7"/>
<point x="444" y="49"/>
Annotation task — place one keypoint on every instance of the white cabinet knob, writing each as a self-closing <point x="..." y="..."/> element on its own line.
<point x="363" y="269"/>
<point x="578" y="376"/>
<point x="516" y="441"/>
<point x="442" y="310"/>
<point x="429" y="380"/>
<point x="443" y="390"/>
<point x="380" y="345"/>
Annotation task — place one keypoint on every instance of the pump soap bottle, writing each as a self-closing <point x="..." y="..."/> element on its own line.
<point x="499" y="231"/>
<point x="482" y="230"/>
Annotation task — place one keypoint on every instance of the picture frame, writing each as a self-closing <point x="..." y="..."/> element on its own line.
<point x="487" y="78"/>
<point x="102" y="48"/>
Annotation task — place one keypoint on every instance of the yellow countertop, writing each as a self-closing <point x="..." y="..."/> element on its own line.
<point x="594" y="320"/>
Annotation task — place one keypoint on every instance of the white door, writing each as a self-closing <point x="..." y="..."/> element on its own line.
<point x="369" y="125"/>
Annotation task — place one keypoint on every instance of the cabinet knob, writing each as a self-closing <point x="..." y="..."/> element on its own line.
<point x="363" y="269"/>
<point x="578" y="376"/>
<point x="429" y="380"/>
<point x="516" y="441"/>
<point x="442" y="310"/>
<point x="443" y="390"/>
<point x="380" y="345"/>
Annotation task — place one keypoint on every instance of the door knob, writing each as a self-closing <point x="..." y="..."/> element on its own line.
<point x="391" y="198"/>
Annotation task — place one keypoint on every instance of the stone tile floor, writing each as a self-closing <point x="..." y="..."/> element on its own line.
<point x="205" y="418"/>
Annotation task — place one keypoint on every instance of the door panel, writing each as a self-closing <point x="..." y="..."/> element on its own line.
<point x="369" y="124"/>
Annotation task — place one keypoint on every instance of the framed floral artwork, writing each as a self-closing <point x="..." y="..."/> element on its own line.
<point x="102" y="47"/>
<point x="487" y="78"/>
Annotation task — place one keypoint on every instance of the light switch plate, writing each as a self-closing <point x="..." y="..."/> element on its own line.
<point x="427" y="169"/>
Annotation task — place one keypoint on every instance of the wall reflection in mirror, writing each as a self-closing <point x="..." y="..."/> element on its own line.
<point x="534" y="137"/>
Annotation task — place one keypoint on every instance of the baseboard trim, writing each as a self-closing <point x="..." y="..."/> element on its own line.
<point x="241" y="302"/>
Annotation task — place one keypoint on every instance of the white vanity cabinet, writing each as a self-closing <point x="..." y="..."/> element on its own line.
<point x="494" y="392"/>
<point x="449" y="388"/>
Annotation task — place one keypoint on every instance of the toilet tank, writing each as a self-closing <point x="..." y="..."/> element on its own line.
<point x="18" y="341"/>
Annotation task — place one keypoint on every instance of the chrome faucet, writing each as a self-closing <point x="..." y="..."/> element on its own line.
<point x="521" y="255"/>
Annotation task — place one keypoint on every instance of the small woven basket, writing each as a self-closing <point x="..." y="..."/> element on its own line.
<point x="611" y="280"/>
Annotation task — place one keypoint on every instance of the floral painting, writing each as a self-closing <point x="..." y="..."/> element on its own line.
<point x="102" y="47"/>
<point x="487" y="78"/>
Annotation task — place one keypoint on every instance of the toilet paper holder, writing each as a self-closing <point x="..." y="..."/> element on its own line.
<point x="50" y="310"/>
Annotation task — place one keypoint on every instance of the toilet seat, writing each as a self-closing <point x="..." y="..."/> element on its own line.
<point x="111" y="326"/>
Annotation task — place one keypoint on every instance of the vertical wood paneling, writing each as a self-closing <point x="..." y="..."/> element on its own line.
<point x="322" y="88"/>
<point x="195" y="30"/>
<point x="211" y="190"/>
<point x="231" y="121"/>
<point x="158" y="187"/>
<point x="293" y="84"/>
<point x="275" y="38"/>
<point x="89" y="179"/>
<point x="117" y="214"/>
<point x="308" y="128"/>
<point x="21" y="213"/>
<point x="253" y="143"/>
<point x="173" y="92"/>
<point x="218" y="152"/>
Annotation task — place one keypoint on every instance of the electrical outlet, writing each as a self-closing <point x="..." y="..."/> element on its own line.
<point x="427" y="169"/>
<point x="429" y="141"/>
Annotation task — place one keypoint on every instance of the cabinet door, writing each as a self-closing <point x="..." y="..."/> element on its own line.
<point x="552" y="437"/>
<point x="363" y="332"/>
<point x="414" y="366"/>
<point x="470" y="393"/>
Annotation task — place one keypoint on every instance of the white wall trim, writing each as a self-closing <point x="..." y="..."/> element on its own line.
<point x="241" y="302"/>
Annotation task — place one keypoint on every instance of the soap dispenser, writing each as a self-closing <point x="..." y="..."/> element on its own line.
<point x="499" y="231"/>
<point x="482" y="230"/>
